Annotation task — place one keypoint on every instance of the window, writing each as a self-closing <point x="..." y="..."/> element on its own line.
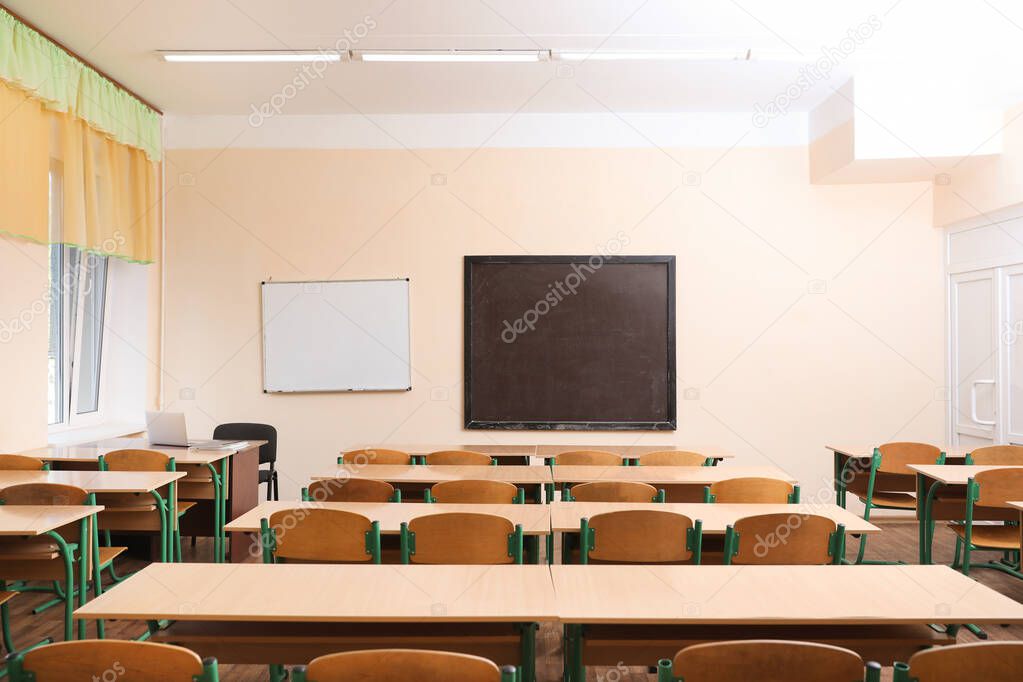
<point x="78" y="295"/>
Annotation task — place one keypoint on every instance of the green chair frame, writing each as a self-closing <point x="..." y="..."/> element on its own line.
<point x="515" y="544"/>
<point x="926" y="523"/>
<point x="306" y="497"/>
<point x="520" y="496"/>
<point x="836" y="545"/>
<point x="709" y="498"/>
<point x="268" y="542"/>
<point x="1009" y="563"/>
<point x="18" y="673"/>
<point x="588" y="539"/>
<point x="170" y="537"/>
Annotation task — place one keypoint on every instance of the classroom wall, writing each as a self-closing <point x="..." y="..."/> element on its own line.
<point x="23" y="344"/>
<point x="806" y="313"/>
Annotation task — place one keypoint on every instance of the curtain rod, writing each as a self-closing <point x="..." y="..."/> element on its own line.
<point x="79" y="57"/>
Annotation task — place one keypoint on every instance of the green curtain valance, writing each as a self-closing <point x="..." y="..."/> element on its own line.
<point x="33" y="63"/>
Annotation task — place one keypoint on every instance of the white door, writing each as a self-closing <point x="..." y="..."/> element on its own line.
<point x="975" y="357"/>
<point x="1011" y="338"/>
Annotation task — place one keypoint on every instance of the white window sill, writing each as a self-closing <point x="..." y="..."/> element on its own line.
<point x="91" y="433"/>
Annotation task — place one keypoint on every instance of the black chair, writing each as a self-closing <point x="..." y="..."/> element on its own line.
<point x="267" y="452"/>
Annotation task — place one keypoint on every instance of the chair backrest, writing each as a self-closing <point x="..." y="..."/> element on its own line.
<point x="467" y="491"/>
<point x="751" y="490"/>
<point x="457" y="538"/>
<point x="109" y="659"/>
<point x="400" y="665"/>
<point x="21" y="463"/>
<point x="896" y="457"/>
<point x="987" y="661"/>
<point x="588" y="457"/>
<point x="767" y="661"/>
<point x="350" y="490"/>
<point x="43" y="493"/>
<point x="613" y="491"/>
<point x="247" y="431"/>
<point x="998" y="487"/>
<point x="136" y="460"/>
<point x="320" y="535"/>
<point x="785" y="539"/>
<point x="376" y="456"/>
<point x="459" y="457"/>
<point x="675" y="458"/>
<point x="998" y="455"/>
<point x="640" y="536"/>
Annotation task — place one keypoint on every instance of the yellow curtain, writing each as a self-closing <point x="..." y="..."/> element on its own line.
<point x="111" y="192"/>
<point x="24" y="165"/>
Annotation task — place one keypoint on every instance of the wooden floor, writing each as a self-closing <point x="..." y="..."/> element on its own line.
<point x="899" y="541"/>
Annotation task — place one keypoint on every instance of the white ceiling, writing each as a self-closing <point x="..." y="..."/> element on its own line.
<point x="977" y="43"/>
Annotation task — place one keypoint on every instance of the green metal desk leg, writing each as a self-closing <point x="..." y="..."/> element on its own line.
<point x="217" y="525"/>
<point x="550" y="548"/>
<point x="527" y="663"/>
<point x="926" y="530"/>
<point x="84" y="544"/>
<point x="578" y="668"/>
<point x="223" y="506"/>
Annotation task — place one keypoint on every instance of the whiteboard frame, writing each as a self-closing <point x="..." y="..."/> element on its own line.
<point x="262" y="327"/>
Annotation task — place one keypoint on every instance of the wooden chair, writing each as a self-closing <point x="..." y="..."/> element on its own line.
<point x="111" y="659"/>
<point x="674" y="458"/>
<point x="589" y="458"/>
<point x="459" y="458"/>
<point x="987" y="661"/>
<point x="399" y="665"/>
<point x="130" y="512"/>
<point x="22" y="463"/>
<point x="889" y="480"/>
<point x="350" y="490"/>
<point x="997" y="455"/>
<point x="469" y="491"/>
<point x="640" y="537"/>
<point x="751" y="490"/>
<point x="766" y="660"/>
<point x="375" y="456"/>
<point x="612" y="491"/>
<point x="992" y="488"/>
<point x="784" y="539"/>
<point x="460" y="538"/>
<point x="56" y="555"/>
<point x="322" y="536"/>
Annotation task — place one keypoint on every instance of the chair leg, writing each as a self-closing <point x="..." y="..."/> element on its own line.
<point x="959" y="550"/>
<point x="273" y="476"/>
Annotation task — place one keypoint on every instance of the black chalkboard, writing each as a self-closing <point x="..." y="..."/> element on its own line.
<point x="570" y="342"/>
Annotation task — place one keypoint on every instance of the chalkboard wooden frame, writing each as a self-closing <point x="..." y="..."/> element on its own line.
<point x="669" y="424"/>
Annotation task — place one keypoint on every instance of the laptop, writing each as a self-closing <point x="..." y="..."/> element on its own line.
<point x="168" y="428"/>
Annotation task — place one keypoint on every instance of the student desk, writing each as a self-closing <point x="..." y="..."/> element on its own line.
<point x="315" y="609"/>
<point x="224" y="481"/>
<point x="34" y="520"/>
<point x="534" y="519"/>
<point x="932" y="478"/>
<point x="633" y="452"/>
<point x="858" y="458"/>
<point x="681" y="484"/>
<point x="417" y="476"/>
<point x="638" y="614"/>
<point x="505" y="454"/>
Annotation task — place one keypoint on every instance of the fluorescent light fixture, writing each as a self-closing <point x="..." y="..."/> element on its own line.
<point x="253" y="56"/>
<point x="652" y="55"/>
<point x="452" y="55"/>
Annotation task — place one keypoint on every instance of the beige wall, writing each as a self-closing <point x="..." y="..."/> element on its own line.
<point x="23" y="343"/>
<point x="778" y="363"/>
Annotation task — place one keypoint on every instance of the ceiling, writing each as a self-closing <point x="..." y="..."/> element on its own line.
<point x="977" y="44"/>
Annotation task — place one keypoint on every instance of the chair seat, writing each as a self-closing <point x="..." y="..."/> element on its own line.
<point x="7" y="596"/>
<point x="265" y="475"/>
<point x="895" y="500"/>
<point x="108" y="554"/>
<point x="185" y="506"/>
<point x="995" y="537"/>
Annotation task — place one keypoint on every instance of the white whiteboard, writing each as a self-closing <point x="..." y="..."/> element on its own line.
<point x="336" y="336"/>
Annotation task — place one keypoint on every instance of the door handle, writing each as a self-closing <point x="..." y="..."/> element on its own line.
<point x="973" y="402"/>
